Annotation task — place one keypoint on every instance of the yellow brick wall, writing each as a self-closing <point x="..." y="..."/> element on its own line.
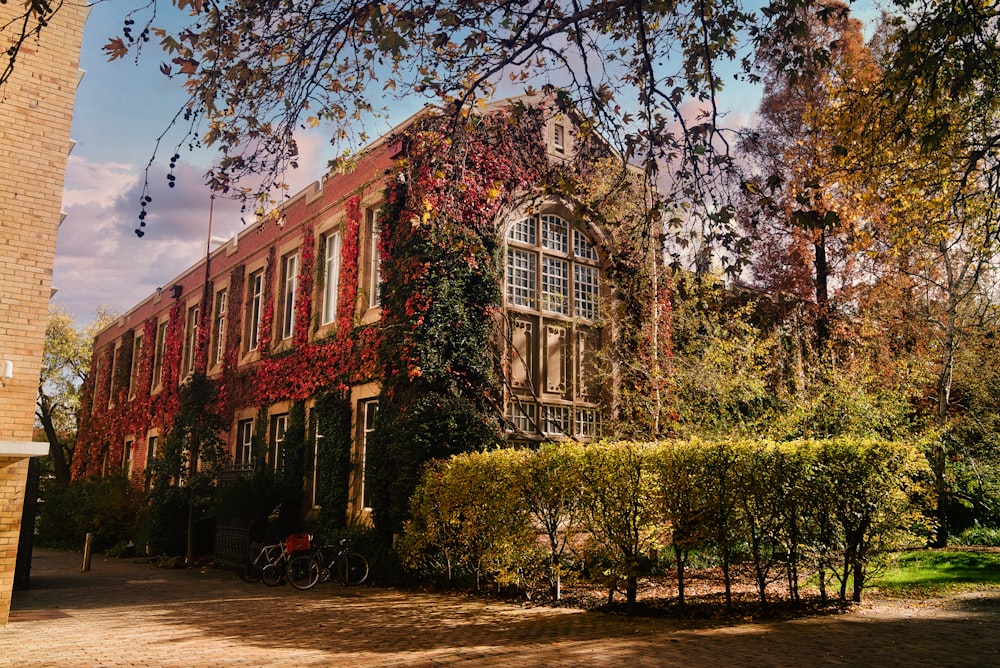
<point x="12" y="477"/>
<point x="36" y="111"/>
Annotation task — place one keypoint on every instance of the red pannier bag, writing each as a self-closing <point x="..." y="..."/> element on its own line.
<point x="297" y="542"/>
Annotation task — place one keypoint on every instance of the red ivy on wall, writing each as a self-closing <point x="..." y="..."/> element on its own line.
<point x="267" y="318"/>
<point x="172" y="349"/>
<point x="230" y="386"/>
<point x="332" y="362"/>
<point x="204" y="328"/>
<point x="304" y="289"/>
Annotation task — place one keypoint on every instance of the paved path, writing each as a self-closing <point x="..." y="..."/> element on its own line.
<point x="126" y="614"/>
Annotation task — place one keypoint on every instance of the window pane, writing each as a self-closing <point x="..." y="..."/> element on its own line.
<point x="291" y="279"/>
<point x="555" y="419"/>
<point x="555" y="234"/>
<point x="375" y="261"/>
<point x="555" y="285"/>
<point x="521" y="278"/>
<point x="585" y="292"/>
<point x="221" y="298"/>
<point x="369" y="410"/>
<point x="523" y="231"/>
<point x="587" y="422"/>
<point x="522" y="416"/>
<point x="331" y="278"/>
<point x="254" y="310"/>
<point x="582" y="247"/>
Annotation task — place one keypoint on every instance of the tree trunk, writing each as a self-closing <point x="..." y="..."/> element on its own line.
<point x="938" y="455"/>
<point x="681" y="558"/>
<point x="60" y="465"/>
<point x="822" y="293"/>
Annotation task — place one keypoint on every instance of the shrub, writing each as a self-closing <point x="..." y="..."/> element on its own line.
<point x="467" y="519"/>
<point x="979" y="535"/>
<point x="109" y="508"/>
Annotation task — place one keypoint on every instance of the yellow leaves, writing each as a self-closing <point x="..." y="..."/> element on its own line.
<point x="495" y="191"/>
<point x="312" y="122"/>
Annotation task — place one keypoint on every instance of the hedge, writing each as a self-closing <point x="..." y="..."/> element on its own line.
<point x="826" y="509"/>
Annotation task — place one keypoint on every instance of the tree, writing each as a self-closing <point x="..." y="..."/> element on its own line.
<point x="924" y="173"/>
<point x="193" y="454"/>
<point x="794" y="188"/>
<point x="65" y="363"/>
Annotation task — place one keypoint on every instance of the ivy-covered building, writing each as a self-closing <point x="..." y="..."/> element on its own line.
<point x="471" y="281"/>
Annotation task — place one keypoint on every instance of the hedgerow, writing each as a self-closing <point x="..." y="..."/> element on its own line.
<point x="829" y="509"/>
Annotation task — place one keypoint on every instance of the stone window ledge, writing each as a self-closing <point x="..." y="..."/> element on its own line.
<point x="23" y="449"/>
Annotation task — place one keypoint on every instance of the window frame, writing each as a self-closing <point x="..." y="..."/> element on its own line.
<point x="255" y="308"/>
<point x="552" y="305"/>
<point x="374" y="259"/>
<point x="158" y="353"/>
<point x="367" y="416"/>
<point x="192" y="327"/>
<point x="133" y="376"/>
<point x="219" y="316"/>
<point x="289" y="288"/>
<point x="332" y="245"/>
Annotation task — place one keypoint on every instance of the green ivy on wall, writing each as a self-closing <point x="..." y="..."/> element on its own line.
<point x="332" y="411"/>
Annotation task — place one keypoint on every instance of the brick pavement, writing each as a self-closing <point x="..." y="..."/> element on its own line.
<point x="126" y="614"/>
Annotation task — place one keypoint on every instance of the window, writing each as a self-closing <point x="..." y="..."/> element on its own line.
<point x="546" y="265"/>
<point x="588" y="423"/>
<point x="115" y="361"/>
<point x="375" y="262"/>
<point x="133" y="381"/>
<point x="552" y="291"/>
<point x="314" y="473"/>
<point x="522" y="416"/>
<point x="559" y="137"/>
<point x="191" y="340"/>
<point x="556" y="420"/>
<point x="521" y="277"/>
<point x="331" y="277"/>
<point x="127" y="463"/>
<point x="367" y="412"/>
<point x="279" y="423"/>
<point x="255" y="304"/>
<point x="150" y="457"/>
<point x="289" y="284"/>
<point x="219" y="327"/>
<point x="244" y="444"/>
<point x="161" y="339"/>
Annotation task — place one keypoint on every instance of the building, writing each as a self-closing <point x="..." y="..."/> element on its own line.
<point x="436" y="280"/>
<point x="36" y="111"/>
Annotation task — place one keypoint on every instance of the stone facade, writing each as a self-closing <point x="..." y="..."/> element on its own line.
<point x="36" y="112"/>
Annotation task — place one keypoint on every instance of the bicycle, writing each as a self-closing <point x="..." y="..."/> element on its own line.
<point x="271" y="563"/>
<point x="304" y="571"/>
<point x="265" y="565"/>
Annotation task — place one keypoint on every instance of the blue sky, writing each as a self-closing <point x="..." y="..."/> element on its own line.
<point x="121" y="109"/>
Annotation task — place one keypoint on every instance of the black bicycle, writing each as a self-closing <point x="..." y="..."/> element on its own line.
<point x="305" y="571"/>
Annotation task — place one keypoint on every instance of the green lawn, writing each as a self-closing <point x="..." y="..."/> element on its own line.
<point x="939" y="571"/>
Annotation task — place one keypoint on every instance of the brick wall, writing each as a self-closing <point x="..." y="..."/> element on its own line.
<point x="12" y="477"/>
<point x="36" y="111"/>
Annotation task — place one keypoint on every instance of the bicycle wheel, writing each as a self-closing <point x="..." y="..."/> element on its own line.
<point x="303" y="572"/>
<point x="272" y="575"/>
<point x="352" y="568"/>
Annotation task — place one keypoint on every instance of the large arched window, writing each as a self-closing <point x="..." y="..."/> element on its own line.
<point x="552" y="300"/>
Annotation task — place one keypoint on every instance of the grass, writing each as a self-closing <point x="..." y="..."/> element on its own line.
<point x="935" y="572"/>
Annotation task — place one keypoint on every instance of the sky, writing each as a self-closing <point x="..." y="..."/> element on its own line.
<point x="121" y="109"/>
